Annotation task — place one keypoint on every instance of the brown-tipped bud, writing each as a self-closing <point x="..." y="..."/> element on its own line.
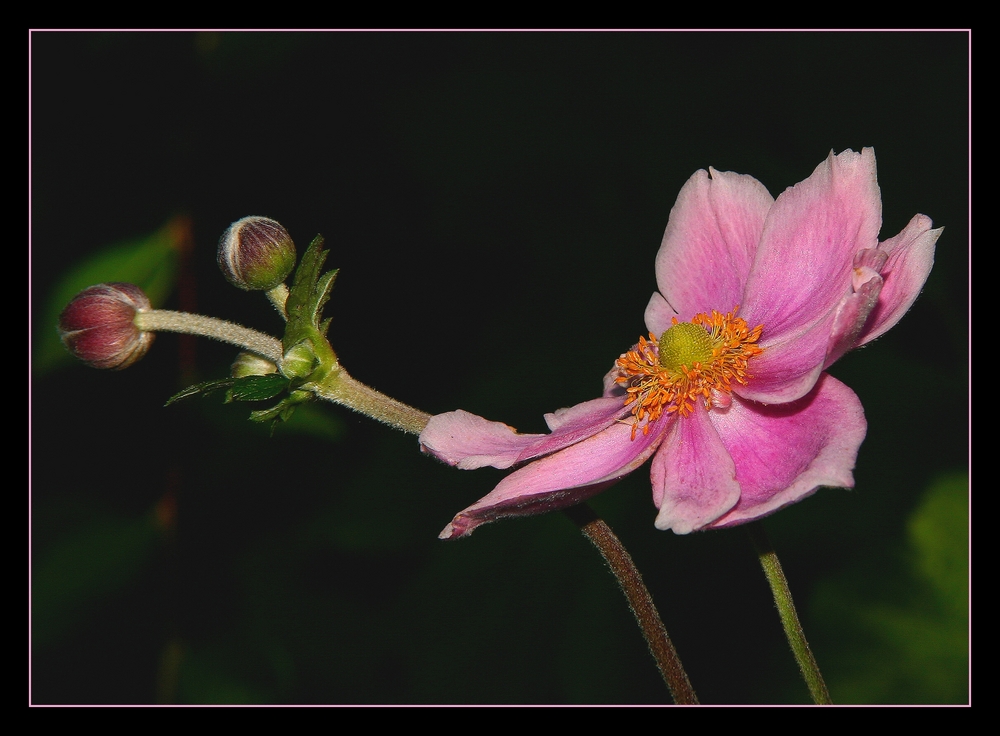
<point x="98" y="326"/>
<point x="256" y="253"/>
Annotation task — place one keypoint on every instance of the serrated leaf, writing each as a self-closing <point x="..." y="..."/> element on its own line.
<point x="283" y="409"/>
<point x="309" y="293"/>
<point x="257" y="388"/>
<point x="302" y="297"/>
<point x="201" y="388"/>
<point x="323" y="287"/>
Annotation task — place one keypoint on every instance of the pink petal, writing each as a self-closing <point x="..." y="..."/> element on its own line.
<point x="693" y="476"/>
<point x="562" y="479"/>
<point x="853" y="313"/>
<point x="802" y="271"/>
<point x="659" y="314"/>
<point x="584" y="415"/>
<point x="708" y="246"/>
<point x="576" y="423"/>
<point x="786" y="452"/>
<point x="910" y="258"/>
<point x="611" y="386"/>
<point x="469" y="441"/>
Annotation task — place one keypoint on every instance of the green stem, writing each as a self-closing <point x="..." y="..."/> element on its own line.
<point x="639" y="600"/>
<point x="340" y="388"/>
<point x="165" y="320"/>
<point x="278" y="296"/>
<point x="786" y="610"/>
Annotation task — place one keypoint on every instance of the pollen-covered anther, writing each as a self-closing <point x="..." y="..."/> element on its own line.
<point x="691" y="362"/>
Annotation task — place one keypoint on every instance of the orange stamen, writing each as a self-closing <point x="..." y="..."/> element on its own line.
<point x="655" y="390"/>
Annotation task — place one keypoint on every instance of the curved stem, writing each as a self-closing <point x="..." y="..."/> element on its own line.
<point x="340" y="388"/>
<point x="786" y="610"/>
<point x="639" y="600"/>
<point x="165" y="320"/>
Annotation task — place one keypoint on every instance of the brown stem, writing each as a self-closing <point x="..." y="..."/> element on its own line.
<point x="639" y="600"/>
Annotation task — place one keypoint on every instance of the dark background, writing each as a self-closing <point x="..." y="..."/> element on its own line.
<point x="494" y="202"/>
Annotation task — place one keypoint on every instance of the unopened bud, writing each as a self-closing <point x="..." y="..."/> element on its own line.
<point x="299" y="361"/>
<point x="256" y="253"/>
<point x="249" y="364"/>
<point x="98" y="326"/>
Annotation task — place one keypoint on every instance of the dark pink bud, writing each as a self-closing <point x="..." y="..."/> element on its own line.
<point x="98" y="326"/>
<point x="256" y="253"/>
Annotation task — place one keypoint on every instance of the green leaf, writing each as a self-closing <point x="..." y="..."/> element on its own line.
<point x="257" y="388"/>
<point x="201" y="388"/>
<point x="322" y="295"/>
<point x="150" y="262"/>
<point x="282" y="411"/>
<point x="303" y="296"/>
<point x="247" y="388"/>
<point x="308" y="295"/>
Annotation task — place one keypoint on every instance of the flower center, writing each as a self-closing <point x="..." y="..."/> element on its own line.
<point x="691" y="360"/>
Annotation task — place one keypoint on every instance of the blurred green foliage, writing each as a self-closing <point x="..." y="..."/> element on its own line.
<point x="86" y="566"/>
<point x="909" y="642"/>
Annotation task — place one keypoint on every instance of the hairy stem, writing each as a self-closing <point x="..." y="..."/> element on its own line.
<point x="340" y="388"/>
<point x="786" y="610"/>
<point x="639" y="600"/>
<point x="164" y="320"/>
<point x="278" y="296"/>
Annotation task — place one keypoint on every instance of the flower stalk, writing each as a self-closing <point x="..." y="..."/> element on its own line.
<point x="278" y="296"/>
<point x="639" y="601"/>
<point x="165" y="320"/>
<point x="340" y="388"/>
<point x="786" y="610"/>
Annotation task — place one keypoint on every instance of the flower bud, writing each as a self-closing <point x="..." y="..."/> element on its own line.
<point x="249" y="364"/>
<point x="98" y="326"/>
<point x="256" y="253"/>
<point x="299" y="361"/>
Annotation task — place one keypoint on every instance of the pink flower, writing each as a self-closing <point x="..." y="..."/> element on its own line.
<point x="757" y="297"/>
